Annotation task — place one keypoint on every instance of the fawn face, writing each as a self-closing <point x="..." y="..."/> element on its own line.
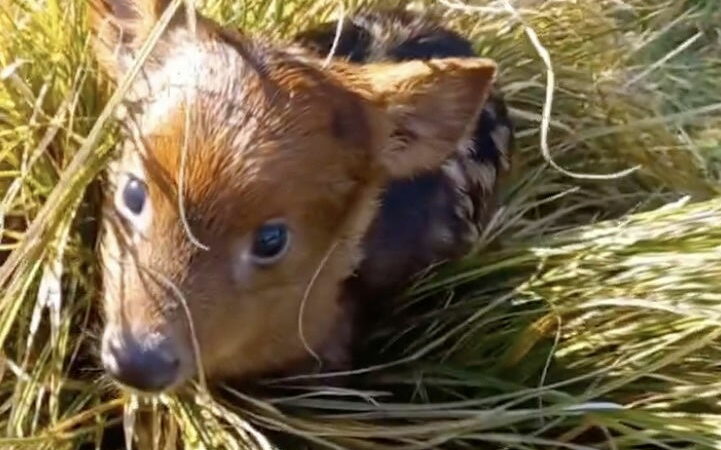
<point x="247" y="178"/>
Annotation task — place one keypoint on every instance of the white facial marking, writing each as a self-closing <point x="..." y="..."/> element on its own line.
<point x="242" y="261"/>
<point x="176" y="82"/>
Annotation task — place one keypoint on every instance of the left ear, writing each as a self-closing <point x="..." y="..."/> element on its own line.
<point x="431" y="107"/>
<point x="119" y="28"/>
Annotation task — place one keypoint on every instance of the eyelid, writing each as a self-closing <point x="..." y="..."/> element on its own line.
<point x="275" y="221"/>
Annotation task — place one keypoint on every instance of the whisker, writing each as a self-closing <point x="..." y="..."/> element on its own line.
<point x="306" y="295"/>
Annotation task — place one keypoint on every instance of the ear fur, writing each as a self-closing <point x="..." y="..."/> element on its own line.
<point x="431" y="106"/>
<point x="120" y="27"/>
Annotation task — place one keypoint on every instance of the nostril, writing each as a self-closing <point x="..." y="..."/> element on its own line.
<point x="147" y="363"/>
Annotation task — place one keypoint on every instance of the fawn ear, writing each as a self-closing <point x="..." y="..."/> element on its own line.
<point x="432" y="107"/>
<point x="119" y="28"/>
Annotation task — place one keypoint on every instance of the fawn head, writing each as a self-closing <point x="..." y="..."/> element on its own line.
<point x="246" y="180"/>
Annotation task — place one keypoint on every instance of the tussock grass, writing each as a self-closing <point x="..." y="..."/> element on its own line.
<point x="588" y="318"/>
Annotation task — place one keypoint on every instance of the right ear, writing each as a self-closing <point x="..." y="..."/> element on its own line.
<point x="119" y="28"/>
<point x="430" y="106"/>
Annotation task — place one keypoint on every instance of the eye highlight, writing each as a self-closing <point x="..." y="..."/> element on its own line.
<point x="132" y="201"/>
<point x="134" y="195"/>
<point x="270" y="243"/>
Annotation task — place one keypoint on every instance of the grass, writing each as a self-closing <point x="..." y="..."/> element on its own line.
<point x="588" y="318"/>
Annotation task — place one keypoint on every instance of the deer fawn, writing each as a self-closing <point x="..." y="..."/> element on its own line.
<point x="262" y="195"/>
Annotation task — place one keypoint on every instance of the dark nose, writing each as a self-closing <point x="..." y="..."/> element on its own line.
<point x="147" y="363"/>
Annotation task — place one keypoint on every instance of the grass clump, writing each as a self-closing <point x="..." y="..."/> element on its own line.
<point x="588" y="318"/>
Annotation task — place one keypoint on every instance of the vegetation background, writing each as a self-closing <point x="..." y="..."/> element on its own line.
<point x="589" y="317"/>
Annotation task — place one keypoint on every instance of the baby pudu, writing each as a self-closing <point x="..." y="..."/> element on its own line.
<point x="246" y="181"/>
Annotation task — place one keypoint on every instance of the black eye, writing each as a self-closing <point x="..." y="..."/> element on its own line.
<point x="134" y="194"/>
<point x="270" y="242"/>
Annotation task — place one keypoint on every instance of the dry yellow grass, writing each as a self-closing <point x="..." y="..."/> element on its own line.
<point x="590" y="321"/>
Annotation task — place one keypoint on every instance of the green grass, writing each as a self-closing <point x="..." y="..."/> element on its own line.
<point x="589" y="317"/>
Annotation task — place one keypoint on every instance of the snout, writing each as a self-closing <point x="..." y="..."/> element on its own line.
<point x="147" y="362"/>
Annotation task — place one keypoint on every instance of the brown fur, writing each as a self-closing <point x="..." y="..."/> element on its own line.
<point x="265" y="133"/>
